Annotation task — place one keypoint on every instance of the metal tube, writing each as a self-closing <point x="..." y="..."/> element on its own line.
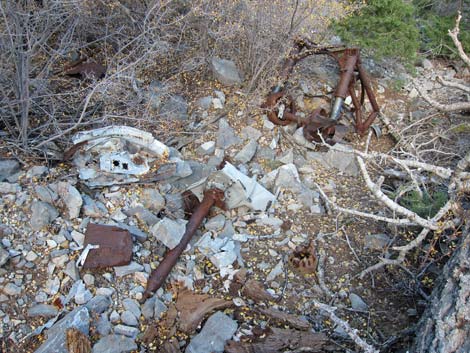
<point x="158" y="276"/>
<point x="336" y="110"/>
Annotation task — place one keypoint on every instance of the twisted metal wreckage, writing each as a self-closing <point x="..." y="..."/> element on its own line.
<point x="318" y="126"/>
<point x="226" y="188"/>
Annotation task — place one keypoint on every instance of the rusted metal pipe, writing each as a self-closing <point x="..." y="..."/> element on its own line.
<point x="158" y="276"/>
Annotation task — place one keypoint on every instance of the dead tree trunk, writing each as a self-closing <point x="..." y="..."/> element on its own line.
<point x="445" y="324"/>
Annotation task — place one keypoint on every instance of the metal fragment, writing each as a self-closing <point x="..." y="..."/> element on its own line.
<point x="115" y="246"/>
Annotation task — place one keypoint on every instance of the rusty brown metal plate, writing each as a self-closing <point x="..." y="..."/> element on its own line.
<point x="115" y="246"/>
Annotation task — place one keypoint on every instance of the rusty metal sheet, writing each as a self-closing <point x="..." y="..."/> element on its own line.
<point x="115" y="246"/>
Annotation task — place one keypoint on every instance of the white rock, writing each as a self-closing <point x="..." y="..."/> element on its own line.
<point x="169" y="232"/>
<point x="276" y="271"/>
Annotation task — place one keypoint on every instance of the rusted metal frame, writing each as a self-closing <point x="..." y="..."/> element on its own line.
<point x="365" y="80"/>
<point x="158" y="276"/>
<point x="349" y="62"/>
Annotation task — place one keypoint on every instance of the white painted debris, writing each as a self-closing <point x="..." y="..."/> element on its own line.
<point x="133" y="135"/>
<point x="116" y="155"/>
<point x="241" y="190"/>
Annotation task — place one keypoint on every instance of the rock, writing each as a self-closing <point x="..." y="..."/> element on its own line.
<point x="148" y="308"/>
<point x="143" y="214"/>
<point x="31" y="256"/>
<point x="71" y="198"/>
<point x="103" y="326"/>
<point x="56" y="336"/>
<point x="276" y="271"/>
<point x="169" y="232"/>
<point x="43" y="310"/>
<point x="11" y="289"/>
<point x="82" y="295"/>
<point x="175" y="107"/>
<point x="427" y="64"/>
<point x="217" y="330"/>
<point x="114" y="344"/>
<point x="220" y="95"/>
<point x="357" y="303"/>
<point x="46" y="194"/>
<point x="132" y="306"/>
<point x="8" y="167"/>
<point x="376" y="241"/>
<point x="159" y="309"/>
<point x="204" y="102"/>
<point x="217" y="103"/>
<point x="99" y="304"/>
<point x="36" y="171"/>
<point x="226" y="136"/>
<point x="128" y="269"/>
<point x="247" y="153"/>
<point x="250" y="133"/>
<point x="114" y="317"/>
<point x="128" y="331"/>
<point x="107" y="292"/>
<point x="52" y="286"/>
<point x="89" y="279"/>
<point x="135" y="232"/>
<point x="206" y="148"/>
<point x="152" y="200"/>
<point x="71" y="270"/>
<point x="215" y="223"/>
<point x="128" y="318"/>
<point x="92" y="208"/>
<point x="8" y="188"/>
<point x="78" y="237"/>
<point x="287" y="158"/>
<point x="343" y="161"/>
<point x="4" y="256"/>
<point x="225" y="71"/>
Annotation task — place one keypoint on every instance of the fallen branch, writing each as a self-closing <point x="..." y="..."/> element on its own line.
<point x="453" y="107"/>
<point x="454" y="34"/>
<point x="392" y="205"/>
<point x="352" y="333"/>
<point x="396" y="221"/>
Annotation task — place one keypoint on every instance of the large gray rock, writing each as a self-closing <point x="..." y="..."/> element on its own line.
<point x="175" y="107"/>
<point x="114" y="344"/>
<point x="247" y="153"/>
<point x="343" y="161"/>
<point x="226" y="72"/>
<point x="56" y="340"/>
<point x="169" y="232"/>
<point x="71" y="198"/>
<point x="7" y="168"/>
<point x="128" y="318"/>
<point x="148" y="308"/>
<point x="218" y="329"/>
<point x="46" y="194"/>
<point x="42" y="214"/>
<point x="226" y="136"/>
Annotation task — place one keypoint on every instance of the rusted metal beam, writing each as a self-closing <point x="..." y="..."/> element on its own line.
<point x="158" y="276"/>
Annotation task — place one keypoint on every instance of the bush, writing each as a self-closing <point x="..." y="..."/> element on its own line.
<point x="387" y="27"/>
<point x="434" y="28"/>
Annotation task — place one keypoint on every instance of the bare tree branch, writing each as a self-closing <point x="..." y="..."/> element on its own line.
<point x="454" y="33"/>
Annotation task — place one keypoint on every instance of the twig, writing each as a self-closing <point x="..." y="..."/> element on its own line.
<point x="352" y="333"/>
